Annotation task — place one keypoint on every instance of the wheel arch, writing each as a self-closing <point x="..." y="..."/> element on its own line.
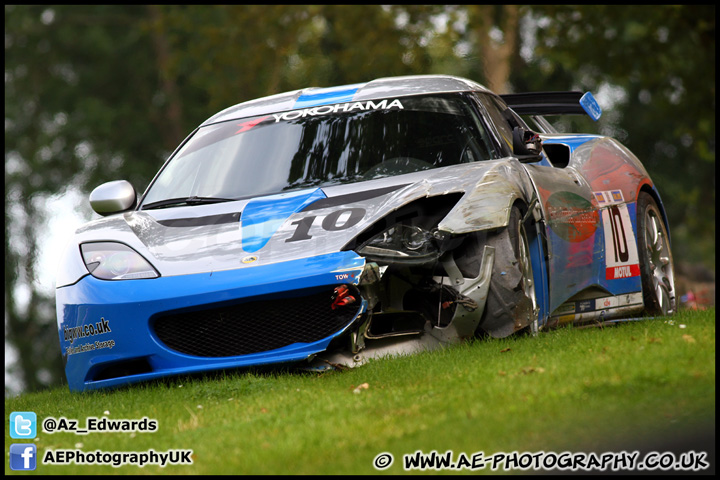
<point x="538" y="256"/>
<point x="652" y="191"/>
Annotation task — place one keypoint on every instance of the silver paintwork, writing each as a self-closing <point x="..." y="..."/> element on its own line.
<point x="376" y="89"/>
<point x="465" y="321"/>
<point x="113" y="197"/>
<point x="487" y="203"/>
<point x="488" y="196"/>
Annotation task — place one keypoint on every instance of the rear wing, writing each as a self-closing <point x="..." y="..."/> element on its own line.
<point x="553" y="103"/>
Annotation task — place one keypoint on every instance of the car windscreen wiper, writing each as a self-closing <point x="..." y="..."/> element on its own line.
<point x="194" y="200"/>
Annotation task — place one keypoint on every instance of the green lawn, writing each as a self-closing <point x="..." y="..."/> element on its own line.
<point x="636" y="386"/>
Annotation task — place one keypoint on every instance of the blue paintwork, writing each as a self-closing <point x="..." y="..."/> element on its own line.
<point x="128" y="306"/>
<point x="326" y="96"/>
<point x="572" y="141"/>
<point x="263" y="216"/>
<point x="544" y="162"/>
<point x="586" y="266"/>
<point x="590" y="105"/>
<point x="540" y="278"/>
<point x="578" y="268"/>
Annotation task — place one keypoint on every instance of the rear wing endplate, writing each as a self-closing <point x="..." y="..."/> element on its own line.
<point x="553" y="103"/>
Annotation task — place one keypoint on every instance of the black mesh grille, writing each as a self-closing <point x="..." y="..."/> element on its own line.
<point x="253" y="327"/>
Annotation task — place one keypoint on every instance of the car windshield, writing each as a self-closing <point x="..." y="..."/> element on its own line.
<point x="323" y="145"/>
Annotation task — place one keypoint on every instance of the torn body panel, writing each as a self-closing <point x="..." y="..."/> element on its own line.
<point x="444" y="301"/>
<point x="487" y="204"/>
<point x="423" y="330"/>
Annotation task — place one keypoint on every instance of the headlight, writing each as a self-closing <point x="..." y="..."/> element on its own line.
<point x="402" y="244"/>
<point x="115" y="261"/>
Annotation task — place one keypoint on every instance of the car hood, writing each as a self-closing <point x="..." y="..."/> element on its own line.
<point x="299" y="224"/>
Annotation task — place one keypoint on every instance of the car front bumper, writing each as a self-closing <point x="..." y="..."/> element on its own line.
<point x="114" y="333"/>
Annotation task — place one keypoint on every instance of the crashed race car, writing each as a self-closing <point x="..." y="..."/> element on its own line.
<point x="327" y="226"/>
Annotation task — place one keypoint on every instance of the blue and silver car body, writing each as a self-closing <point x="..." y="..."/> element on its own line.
<point x="331" y="225"/>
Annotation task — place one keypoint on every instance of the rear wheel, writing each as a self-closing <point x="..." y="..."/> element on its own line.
<point x="511" y="304"/>
<point x="656" y="263"/>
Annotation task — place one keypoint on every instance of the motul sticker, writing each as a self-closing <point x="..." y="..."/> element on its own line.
<point x="621" y="255"/>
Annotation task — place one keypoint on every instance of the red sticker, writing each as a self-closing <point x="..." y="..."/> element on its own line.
<point x="250" y="124"/>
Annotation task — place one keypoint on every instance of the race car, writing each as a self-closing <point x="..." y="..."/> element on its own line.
<point x="327" y="226"/>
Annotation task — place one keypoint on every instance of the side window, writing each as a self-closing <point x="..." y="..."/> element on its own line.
<point x="494" y="110"/>
<point x="515" y="118"/>
<point x="484" y="145"/>
<point x="505" y="119"/>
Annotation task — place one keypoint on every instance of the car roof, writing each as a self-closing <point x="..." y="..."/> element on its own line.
<point x="358" y="92"/>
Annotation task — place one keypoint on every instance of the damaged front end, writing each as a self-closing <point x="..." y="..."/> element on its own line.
<point x="426" y="287"/>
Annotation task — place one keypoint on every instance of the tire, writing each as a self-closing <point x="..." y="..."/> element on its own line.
<point x="656" y="263"/>
<point x="511" y="304"/>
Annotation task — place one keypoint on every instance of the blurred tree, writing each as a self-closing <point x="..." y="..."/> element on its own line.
<point x="496" y="35"/>
<point x="224" y="56"/>
<point x="72" y="119"/>
<point x="660" y="62"/>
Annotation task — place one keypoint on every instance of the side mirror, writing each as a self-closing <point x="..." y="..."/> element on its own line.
<point x="113" y="197"/>
<point x="527" y="145"/>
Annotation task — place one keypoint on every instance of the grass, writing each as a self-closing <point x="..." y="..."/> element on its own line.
<point x="632" y="386"/>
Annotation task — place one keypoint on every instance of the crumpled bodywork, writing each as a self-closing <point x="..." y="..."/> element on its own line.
<point x="190" y="251"/>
